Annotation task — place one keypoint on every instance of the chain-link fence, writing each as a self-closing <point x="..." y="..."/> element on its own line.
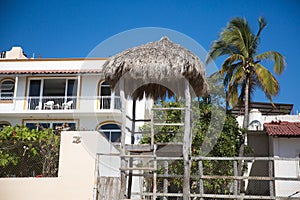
<point x="35" y="166"/>
<point x="29" y="158"/>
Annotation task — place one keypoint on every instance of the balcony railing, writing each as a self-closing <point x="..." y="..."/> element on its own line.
<point x="70" y="102"/>
<point x="51" y="103"/>
<point x="108" y="102"/>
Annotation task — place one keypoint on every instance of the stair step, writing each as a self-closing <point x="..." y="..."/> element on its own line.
<point x="168" y="124"/>
<point x="139" y="156"/>
<point x="138" y="168"/>
<point x="138" y="147"/>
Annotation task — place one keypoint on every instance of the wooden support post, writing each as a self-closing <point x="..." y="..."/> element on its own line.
<point x="152" y="129"/>
<point x="154" y="174"/>
<point x="201" y="186"/>
<point x="132" y="142"/>
<point x="165" y="183"/>
<point x="235" y="181"/>
<point x="271" y="175"/>
<point x="123" y="134"/>
<point x="186" y="147"/>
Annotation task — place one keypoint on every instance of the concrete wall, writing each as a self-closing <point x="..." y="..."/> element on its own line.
<point x="268" y="118"/>
<point x="75" y="179"/>
<point x="259" y="143"/>
<point x="287" y="147"/>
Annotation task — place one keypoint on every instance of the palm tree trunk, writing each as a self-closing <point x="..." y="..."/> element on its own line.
<point x="247" y="102"/>
<point x="245" y="126"/>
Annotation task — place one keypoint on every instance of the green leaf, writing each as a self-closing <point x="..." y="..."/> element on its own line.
<point x="277" y="58"/>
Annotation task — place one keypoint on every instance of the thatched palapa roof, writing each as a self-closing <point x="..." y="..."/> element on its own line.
<point x="155" y="66"/>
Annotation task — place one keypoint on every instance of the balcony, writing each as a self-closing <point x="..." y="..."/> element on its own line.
<point x="51" y="103"/>
<point x="72" y="102"/>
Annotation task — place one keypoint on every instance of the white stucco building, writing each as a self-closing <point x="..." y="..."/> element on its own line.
<point x="51" y="92"/>
<point x="64" y="94"/>
<point x="274" y="132"/>
<point x="72" y="94"/>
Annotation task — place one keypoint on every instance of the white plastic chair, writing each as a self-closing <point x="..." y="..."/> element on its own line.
<point x="67" y="105"/>
<point x="48" y="105"/>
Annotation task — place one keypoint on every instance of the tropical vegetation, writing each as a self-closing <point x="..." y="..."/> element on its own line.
<point x="225" y="142"/>
<point x="243" y="70"/>
<point x="28" y="153"/>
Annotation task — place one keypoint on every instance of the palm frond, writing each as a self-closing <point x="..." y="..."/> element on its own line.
<point x="232" y="96"/>
<point x="277" y="58"/>
<point x="238" y="33"/>
<point x="238" y="76"/>
<point x="267" y="81"/>
<point x="234" y="58"/>
<point x="228" y="71"/>
<point x="218" y="48"/>
<point x="262" y="24"/>
<point x="242" y="92"/>
<point x="240" y="44"/>
<point x="231" y="63"/>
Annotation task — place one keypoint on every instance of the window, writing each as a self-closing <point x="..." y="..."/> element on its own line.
<point x="108" y="98"/>
<point x="7" y="88"/>
<point x="255" y="125"/>
<point x="52" y="93"/>
<point x="111" y="131"/>
<point x="3" y="124"/>
<point x="59" y="125"/>
<point x="105" y="96"/>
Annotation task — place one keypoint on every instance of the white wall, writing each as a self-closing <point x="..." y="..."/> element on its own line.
<point x="89" y="90"/>
<point x="52" y="64"/>
<point x="269" y="118"/>
<point x="76" y="171"/>
<point x="286" y="147"/>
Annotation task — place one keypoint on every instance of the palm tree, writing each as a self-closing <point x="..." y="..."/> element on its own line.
<point x="242" y="69"/>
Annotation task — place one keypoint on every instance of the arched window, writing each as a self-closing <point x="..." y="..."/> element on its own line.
<point x="255" y="125"/>
<point x="105" y="96"/>
<point x="111" y="131"/>
<point x="7" y="88"/>
<point x="3" y="124"/>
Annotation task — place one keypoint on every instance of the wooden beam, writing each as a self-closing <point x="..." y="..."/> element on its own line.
<point x="132" y="142"/>
<point x="165" y="182"/>
<point x="154" y="174"/>
<point x="186" y="148"/>
<point x="201" y="185"/>
<point x="152" y="129"/>
<point x="123" y="134"/>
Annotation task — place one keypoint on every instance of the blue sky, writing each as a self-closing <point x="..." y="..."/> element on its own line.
<point x="71" y="28"/>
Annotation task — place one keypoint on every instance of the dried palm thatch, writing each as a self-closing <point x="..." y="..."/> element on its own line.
<point x="155" y="62"/>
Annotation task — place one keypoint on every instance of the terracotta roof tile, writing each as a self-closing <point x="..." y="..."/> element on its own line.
<point x="282" y="128"/>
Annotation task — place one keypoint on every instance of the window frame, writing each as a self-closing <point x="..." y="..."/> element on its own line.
<point x="41" y="98"/>
<point x="52" y="122"/>
<point x="111" y="130"/>
<point x="4" y="123"/>
<point x="108" y="102"/>
<point x="9" y="99"/>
